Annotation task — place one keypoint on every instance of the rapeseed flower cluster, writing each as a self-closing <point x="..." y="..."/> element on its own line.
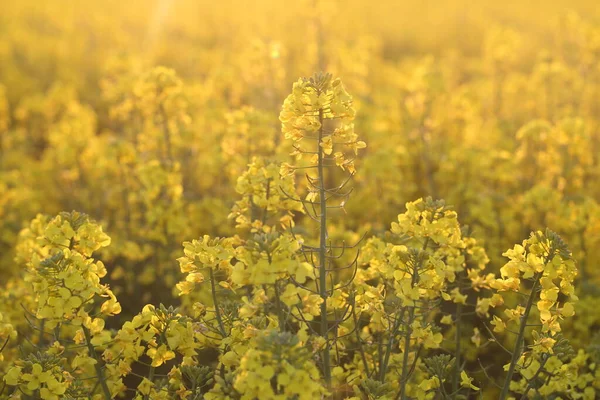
<point x="291" y="283"/>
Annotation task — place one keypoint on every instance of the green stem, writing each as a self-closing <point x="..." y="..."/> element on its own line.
<point x="390" y="344"/>
<point x="360" y="342"/>
<point x="323" y="254"/>
<point x="97" y="366"/>
<point x="534" y="377"/>
<point x="280" y="317"/>
<point x="518" y="350"/>
<point x="41" y="339"/>
<point x="265" y="210"/>
<point x="216" y="303"/>
<point x="151" y="379"/>
<point x="404" y="377"/>
<point x="152" y="370"/>
<point x="456" y="380"/>
<point x="411" y="315"/>
<point x="57" y="333"/>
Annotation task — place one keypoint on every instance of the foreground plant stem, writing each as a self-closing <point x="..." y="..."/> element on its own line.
<point x="411" y="315"/>
<point x="405" y="372"/>
<point x="97" y="366"/>
<point x="457" y="337"/>
<point x="41" y="338"/>
<point x="518" y="350"/>
<point x="323" y="255"/>
<point x="213" y="290"/>
<point x="534" y="377"/>
<point x="390" y="344"/>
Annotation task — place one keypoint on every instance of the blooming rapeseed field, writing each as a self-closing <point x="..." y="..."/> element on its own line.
<point x="319" y="199"/>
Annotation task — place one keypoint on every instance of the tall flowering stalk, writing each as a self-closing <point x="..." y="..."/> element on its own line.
<point x="318" y="118"/>
<point x="402" y="288"/>
<point x="545" y="261"/>
<point x="57" y="255"/>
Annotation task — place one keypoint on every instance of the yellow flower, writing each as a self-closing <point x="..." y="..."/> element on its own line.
<point x="545" y="344"/>
<point x="111" y="306"/>
<point x="145" y="386"/>
<point x="287" y="169"/>
<point x="161" y="355"/>
<point x="12" y="376"/>
<point x="316" y="103"/>
<point x="327" y="144"/>
<point x="53" y="390"/>
<point x="476" y="338"/>
<point x="499" y="325"/>
<point x="465" y="381"/>
<point x="37" y="377"/>
<point x="567" y="310"/>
